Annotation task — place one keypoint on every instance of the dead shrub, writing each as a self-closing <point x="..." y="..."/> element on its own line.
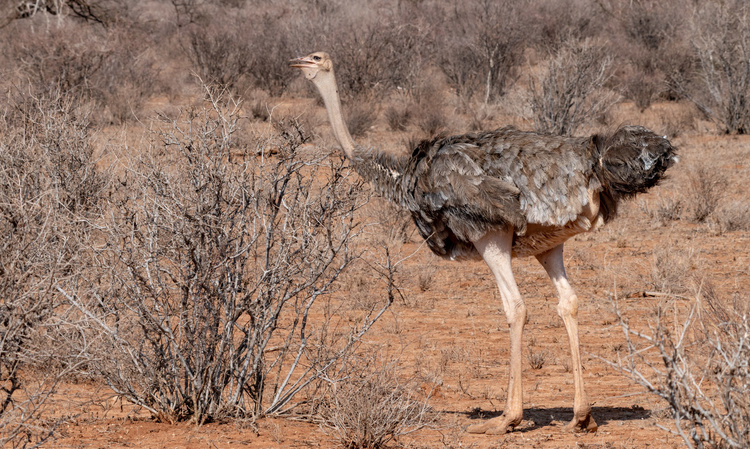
<point x="429" y="111"/>
<point x="668" y="209"/>
<point x="371" y="406"/>
<point x="650" y="31"/>
<point x="360" y="116"/>
<point x="206" y="288"/>
<point x="220" y="53"/>
<point x="374" y="55"/>
<point x="130" y="75"/>
<point x="49" y="190"/>
<point x="398" y="117"/>
<point x="694" y="356"/>
<point x="483" y="47"/>
<point x="432" y="122"/>
<point x="719" y="86"/>
<point x="707" y="187"/>
<point x="63" y="58"/>
<point x="571" y="90"/>
<point x="554" y="23"/>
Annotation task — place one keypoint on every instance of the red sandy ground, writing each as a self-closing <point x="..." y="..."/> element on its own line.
<point x="454" y="334"/>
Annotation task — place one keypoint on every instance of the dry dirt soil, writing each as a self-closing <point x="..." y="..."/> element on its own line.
<point x="450" y="332"/>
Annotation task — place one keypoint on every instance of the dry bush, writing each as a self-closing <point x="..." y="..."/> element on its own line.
<point x="432" y="122"/>
<point x="707" y="186"/>
<point x="375" y="53"/>
<point x="109" y="67"/>
<point x="220" y="53"/>
<point x="696" y="360"/>
<point x="130" y="75"/>
<point x="224" y="50"/>
<point x="429" y="112"/>
<point x="360" y="116"/>
<point x="554" y="23"/>
<point x="483" y="47"/>
<point x="398" y="116"/>
<point x="86" y="10"/>
<point x="49" y="190"/>
<point x="720" y="84"/>
<point x="667" y="210"/>
<point x="208" y="280"/>
<point x="372" y="407"/>
<point x="571" y="90"/>
<point x="650" y="48"/>
<point x="62" y="58"/>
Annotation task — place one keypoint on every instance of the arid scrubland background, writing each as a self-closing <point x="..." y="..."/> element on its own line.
<point x="186" y="260"/>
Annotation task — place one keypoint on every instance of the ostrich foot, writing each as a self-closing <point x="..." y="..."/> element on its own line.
<point x="584" y="423"/>
<point x="495" y="426"/>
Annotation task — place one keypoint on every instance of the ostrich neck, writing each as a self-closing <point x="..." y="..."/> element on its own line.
<point x="330" y="94"/>
<point x="382" y="171"/>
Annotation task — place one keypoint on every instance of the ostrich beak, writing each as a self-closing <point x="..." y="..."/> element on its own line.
<point x="301" y="63"/>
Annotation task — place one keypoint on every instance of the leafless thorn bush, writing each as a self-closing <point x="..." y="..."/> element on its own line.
<point x="48" y="191"/>
<point x="720" y="85"/>
<point x="224" y="50"/>
<point x="372" y="56"/>
<point x="372" y="407"/>
<point x="220" y="53"/>
<point x="429" y="112"/>
<point x="651" y="47"/>
<point x="483" y="47"/>
<point x="696" y="360"/>
<point x="707" y="186"/>
<point x="210" y="275"/>
<point x="571" y="91"/>
<point x="78" y="9"/>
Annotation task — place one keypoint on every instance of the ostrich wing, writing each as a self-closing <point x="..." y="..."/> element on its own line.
<point x="458" y="201"/>
<point x="466" y="185"/>
<point x="554" y="174"/>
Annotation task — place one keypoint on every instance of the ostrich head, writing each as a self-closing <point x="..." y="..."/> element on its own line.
<point x="315" y="66"/>
<point x="318" y="68"/>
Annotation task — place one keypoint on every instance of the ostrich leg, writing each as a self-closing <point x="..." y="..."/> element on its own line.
<point x="495" y="248"/>
<point x="567" y="308"/>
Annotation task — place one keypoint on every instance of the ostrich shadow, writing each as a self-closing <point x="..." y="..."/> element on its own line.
<point x="539" y="417"/>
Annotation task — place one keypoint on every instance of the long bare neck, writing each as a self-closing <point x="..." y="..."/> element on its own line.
<point x="326" y="84"/>
<point x="384" y="172"/>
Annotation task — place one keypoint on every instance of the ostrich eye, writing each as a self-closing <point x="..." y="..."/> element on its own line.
<point x="316" y="58"/>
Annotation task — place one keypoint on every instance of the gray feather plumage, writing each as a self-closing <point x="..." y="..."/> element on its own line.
<point x="460" y="187"/>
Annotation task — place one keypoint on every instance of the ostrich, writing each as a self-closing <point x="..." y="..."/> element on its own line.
<point x="507" y="193"/>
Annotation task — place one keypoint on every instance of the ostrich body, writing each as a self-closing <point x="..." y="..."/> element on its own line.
<point x="498" y="194"/>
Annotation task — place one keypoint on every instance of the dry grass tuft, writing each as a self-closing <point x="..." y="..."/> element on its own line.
<point x="537" y="360"/>
<point x="733" y="217"/>
<point x="372" y="407"/>
<point x="706" y="188"/>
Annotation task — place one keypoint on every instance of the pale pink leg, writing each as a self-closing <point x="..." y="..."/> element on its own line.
<point x="495" y="248"/>
<point x="567" y="308"/>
